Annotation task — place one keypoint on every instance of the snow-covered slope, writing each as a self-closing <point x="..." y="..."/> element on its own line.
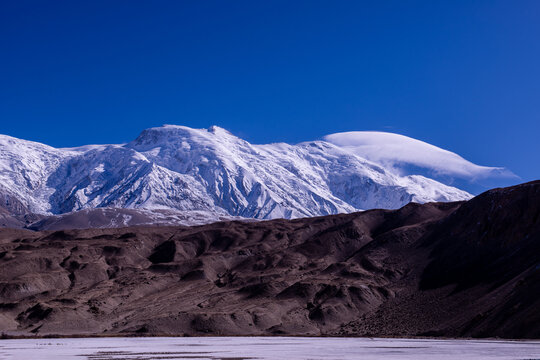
<point x="209" y="171"/>
<point x="25" y="168"/>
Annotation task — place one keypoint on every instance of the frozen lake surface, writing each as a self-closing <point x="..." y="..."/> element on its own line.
<point x="239" y="348"/>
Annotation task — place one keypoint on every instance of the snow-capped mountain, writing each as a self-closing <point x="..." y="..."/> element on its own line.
<point x="176" y="168"/>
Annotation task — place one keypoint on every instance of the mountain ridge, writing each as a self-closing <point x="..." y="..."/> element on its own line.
<point x="177" y="168"/>
<point x="457" y="269"/>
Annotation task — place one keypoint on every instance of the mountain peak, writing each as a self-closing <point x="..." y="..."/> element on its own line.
<point x="170" y="132"/>
<point x="219" y="131"/>
<point x="184" y="169"/>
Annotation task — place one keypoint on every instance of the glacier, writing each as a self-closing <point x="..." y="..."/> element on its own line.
<point x="208" y="171"/>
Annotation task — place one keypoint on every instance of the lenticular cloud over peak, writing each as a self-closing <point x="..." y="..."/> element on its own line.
<point x="399" y="152"/>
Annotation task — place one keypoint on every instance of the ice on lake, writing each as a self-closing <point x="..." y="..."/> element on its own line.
<point x="240" y="348"/>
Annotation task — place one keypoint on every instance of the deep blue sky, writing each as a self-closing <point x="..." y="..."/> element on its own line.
<point x="463" y="75"/>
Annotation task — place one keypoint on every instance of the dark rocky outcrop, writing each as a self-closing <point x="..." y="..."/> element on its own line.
<point x="466" y="269"/>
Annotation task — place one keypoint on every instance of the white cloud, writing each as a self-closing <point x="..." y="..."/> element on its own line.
<point x="401" y="151"/>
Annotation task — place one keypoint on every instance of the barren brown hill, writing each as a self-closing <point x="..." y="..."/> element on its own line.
<point x="438" y="269"/>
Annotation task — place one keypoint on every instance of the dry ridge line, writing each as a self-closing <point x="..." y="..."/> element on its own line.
<point x="462" y="269"/>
